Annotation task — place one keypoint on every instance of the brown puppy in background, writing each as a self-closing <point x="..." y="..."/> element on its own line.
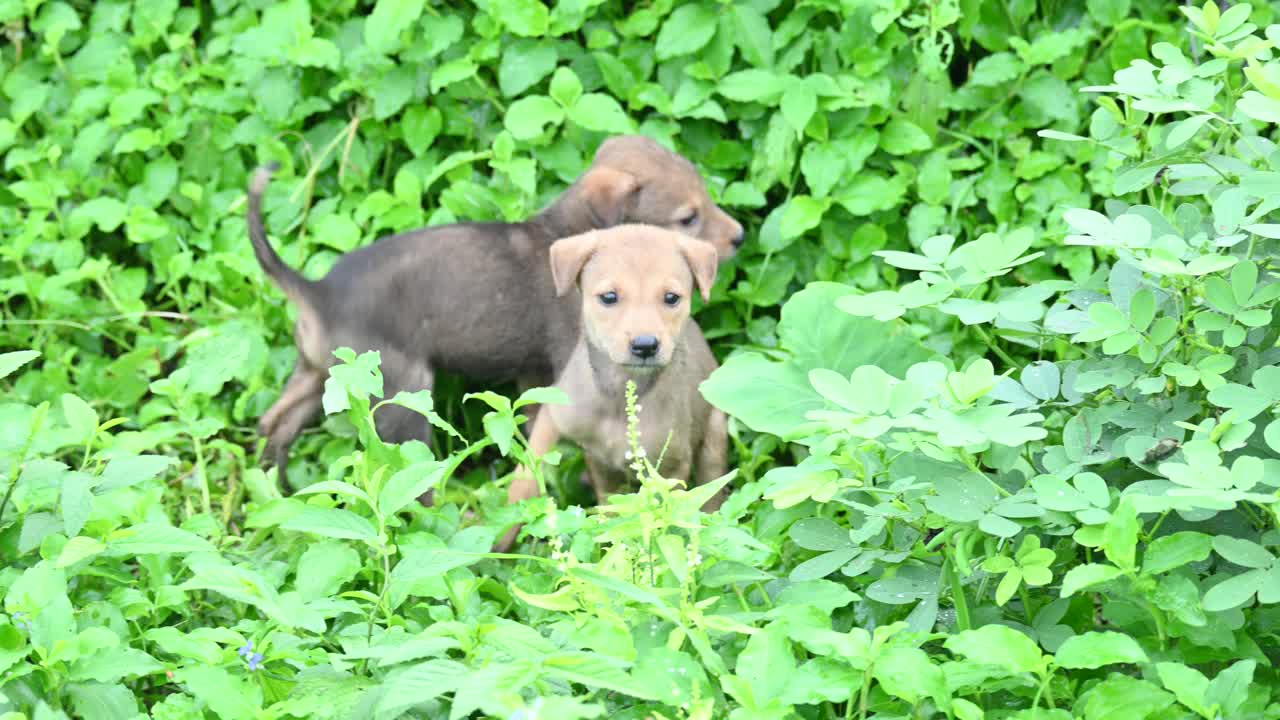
<point x="471" y="298"/>
<point x="636" y="282"/>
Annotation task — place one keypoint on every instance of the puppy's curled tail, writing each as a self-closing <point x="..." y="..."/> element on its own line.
<point x="289" y="280"/>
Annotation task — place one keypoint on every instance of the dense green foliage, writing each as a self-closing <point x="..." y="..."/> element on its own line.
<point x="1000" y="352"/>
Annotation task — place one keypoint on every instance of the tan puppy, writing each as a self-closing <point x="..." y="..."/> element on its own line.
<point x="473" y="298"/>
<point x="636" y="282"/>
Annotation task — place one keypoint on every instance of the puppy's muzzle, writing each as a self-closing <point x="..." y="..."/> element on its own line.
<point x="644" y="347"/>
<point x="738" y="239"/>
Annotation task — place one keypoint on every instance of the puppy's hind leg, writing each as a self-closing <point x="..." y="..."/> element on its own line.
<point x="293" y="411"/>
<point x="542" y="437"/>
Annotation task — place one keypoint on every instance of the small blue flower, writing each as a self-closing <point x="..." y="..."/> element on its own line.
<point x="247" y="650"/>
<point x="254" y="661"/>
<point x="22" y="621"/>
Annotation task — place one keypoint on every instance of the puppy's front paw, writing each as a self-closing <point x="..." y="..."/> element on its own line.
<point x="508" y="539"/>
<point x="523" y="487"/>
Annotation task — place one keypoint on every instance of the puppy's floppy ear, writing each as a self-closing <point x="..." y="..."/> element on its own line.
<point x="568" y="255"/>
<point x="607" y="193"/>
<point x="703" y="261"/>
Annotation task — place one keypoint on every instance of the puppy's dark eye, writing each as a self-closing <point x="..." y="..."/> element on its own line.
<point x="690" y="220"/>
<point x="608" y="298"/>
<point x="671" y="299"/>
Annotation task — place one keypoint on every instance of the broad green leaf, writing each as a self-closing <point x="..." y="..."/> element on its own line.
<point x="822" y="165"/>
<point x="332" y="522"/>
<point x="337" y="487"/>
<point x="965" y="497"/>
<point x="1142" y="309"/>
<point x="726" y="573"/>
<point x="562" y="600"/>
<point x="80" y="415"/>
<point x="752" y="35"/>
<point x="823" y="565"/>
<point x="1230" y="689"/>
<point x="1089" y="222"/>
<point x="388" y="20"/>
<point x="688" y="29"/>
<point x="1120" y="538"/>
<point x="907" y="673"/>
<point x="1009" y="584"/>
<point x="1259" y="107"/>
<point x="324" y="568"/>
<point x="595" y="671"/>
<point x="153" y="538"/>
<point x="1123" y="696"/>
<point x="766" y="663"/>
<point x="423" y="403"/>
<point x="127" y="471"/>
<point x="1083" y="577"/>
<point x="565" y="87"/>
<point x="599" y="112"/>
<point x="77" y="549"/>
<point x="1093" y="650"/>
<point x="999" y="646"/>
<point x="1244" y="553"/>
<point x="1272" y="435"/>
<point x="1054" y="493"/>
<point x="799" y="102"/>
<point x="1184" y="130"/>
<point x="819" y="534"/>
<point x="1108" y="12"/>
<point x="227" y="695"/>
<point x="407" y="485"/>
<point x="1058" y="135"/>
<point x="1042" y="379"/>
<point x="528" y="18"/>
<point x="421" y="126"/>
<point x="1235" y="591"/>
<point x="11" y="361"/>
<point x="996" y="69"/>
<point x="1244" y="402"/>
<point x="408" y="686"/>
<point x="1229" y="210"/>
<point x="803" y="213"/>
<point x="903" y="137"/>
<point x="753" y="85"/>
<point x="1173" y="551"/>
<point x="444" y="76"/>
<point x="1188" y="684"/>
<point x="76" y="503"/>
<point x="529" y="117"/>
<point x="197" y="645"/>
<point x="909" y="261"/>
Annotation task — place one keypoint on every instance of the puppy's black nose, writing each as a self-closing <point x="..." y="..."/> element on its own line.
<point x="644" y="346"/>
<point x="739" y="239"/>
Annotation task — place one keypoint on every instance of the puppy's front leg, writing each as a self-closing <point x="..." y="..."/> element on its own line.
<point x="713" y="457"/>
<point x="542" y="438"/>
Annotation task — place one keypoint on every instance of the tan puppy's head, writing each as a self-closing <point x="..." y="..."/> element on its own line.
<point x="636" y="283"/>
<point x="633" y="179"/>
